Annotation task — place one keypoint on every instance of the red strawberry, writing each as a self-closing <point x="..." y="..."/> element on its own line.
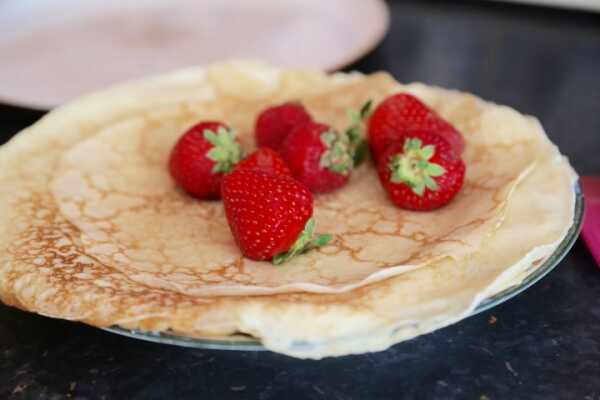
<point x="265" y="159"/>
<point x="318" y="156"/>
<point x="270" y="216"/>
<point x="421" y="172"/>
<point x="402" y="112"/>
<point x="202" y="155"/>
<point x="275" y="123"/>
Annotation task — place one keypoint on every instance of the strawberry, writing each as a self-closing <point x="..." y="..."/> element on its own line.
<point x="265" y="159"/>
<point x="421" y="172"/>
<point x="403" y="112"/>
<point x="318" y="156"/>
<point x="275" y="123"/>
<point x="202" y="155"/>
<point x="270" y="216"/>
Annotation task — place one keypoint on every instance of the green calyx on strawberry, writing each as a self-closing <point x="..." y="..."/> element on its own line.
<point x="359" y="146"/>
<point x="226" y="151"/>
<point x="414" y="167"/>
<point x="337" y="156"/>
<point x="270" y="216"/>
<point x="202" y="156"/>
<point x="305" y="242"/>
<point x="421" y="171"/>
<point x="318" y="156"/>
<point x="345" y="151"/>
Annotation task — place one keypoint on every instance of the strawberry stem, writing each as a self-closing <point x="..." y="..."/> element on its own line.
<point x="226" y="151"/>
<point x="413" y="168"/>
<point x="359" y="148"/>
<point x="337" y="157"/>
<point x="306" y="241"/>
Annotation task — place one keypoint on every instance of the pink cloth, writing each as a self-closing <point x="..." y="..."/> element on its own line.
<point x="591" y="218"/>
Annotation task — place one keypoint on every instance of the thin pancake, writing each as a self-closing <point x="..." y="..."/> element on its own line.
<point x="116" y="190"/>
<point x="44" y="269"/>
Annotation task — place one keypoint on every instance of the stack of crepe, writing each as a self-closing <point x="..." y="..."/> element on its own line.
<point x="93" y="229"/>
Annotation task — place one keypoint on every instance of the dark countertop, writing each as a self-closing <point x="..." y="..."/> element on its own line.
<point x="545" y="343"/>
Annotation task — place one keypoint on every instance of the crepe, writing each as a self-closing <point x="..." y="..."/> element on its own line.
<point x="48" y="263"/>
<point x="115" y="189"/>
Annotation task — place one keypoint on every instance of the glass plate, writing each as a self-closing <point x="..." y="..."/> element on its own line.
<point x="242" y="343"/>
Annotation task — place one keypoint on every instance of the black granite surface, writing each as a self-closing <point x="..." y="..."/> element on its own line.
<point x="544" y="344"/>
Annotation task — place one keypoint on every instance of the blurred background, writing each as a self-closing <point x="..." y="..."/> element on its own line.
<point x="55" y="50"/>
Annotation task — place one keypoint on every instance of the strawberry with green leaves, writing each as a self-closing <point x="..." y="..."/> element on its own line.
<point x="323" y="158"/>
<point x="202" y="156"/>
<point x="318" y="156"/>
<point x="421" y="172"/>
<point x="270" y="216"/>
<point x="401" y="113"/>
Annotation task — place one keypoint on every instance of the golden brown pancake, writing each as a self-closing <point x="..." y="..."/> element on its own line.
<point x="115" y="188"/>
<point x="51" y="264"/>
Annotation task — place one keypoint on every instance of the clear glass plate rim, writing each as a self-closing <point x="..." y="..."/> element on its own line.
<point x="538" y="273"/>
